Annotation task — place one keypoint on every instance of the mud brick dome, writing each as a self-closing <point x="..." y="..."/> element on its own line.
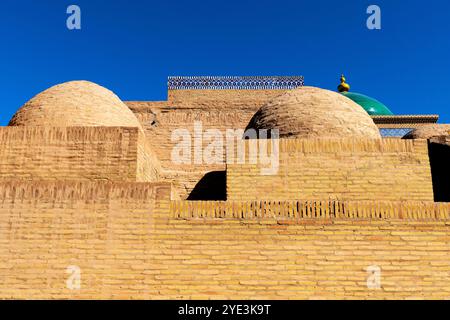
<point x="310" y="112"/>
<point x="75" y="104"/>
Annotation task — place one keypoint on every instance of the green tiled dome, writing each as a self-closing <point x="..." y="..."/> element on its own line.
<point x="371" y="105"/>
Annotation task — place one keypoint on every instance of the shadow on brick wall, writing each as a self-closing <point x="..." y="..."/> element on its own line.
<point x="440" y="169"/>
<point x="211" y="187"/>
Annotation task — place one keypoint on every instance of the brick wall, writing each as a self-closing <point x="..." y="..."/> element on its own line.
<point x="148" y="165"/>
<point x="306" y="258"/>
<point x="222" y="99"/>
<point x="297" y="210"/>
<point x="338" y="169"/>
<point x="103" y="228"/>
<point x="87" y="153"/>
<point x="215" y="109"/>
<point x="129" y="242"/>
<point x="186" y="176"/>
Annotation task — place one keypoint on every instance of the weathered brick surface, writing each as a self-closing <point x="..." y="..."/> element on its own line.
<point x="75" y="104"/>
<point x="429" y="131"/>
<point x="103" y="228"/>
<point x="76" y="153"/>
<point x="130" y="243"/>
<point x="347" y="169"/>
<point x="215" y="109"/>
<point x="310" y="112"/>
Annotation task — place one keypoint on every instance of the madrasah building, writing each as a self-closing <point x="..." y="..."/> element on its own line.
<point x="93" y="205"/>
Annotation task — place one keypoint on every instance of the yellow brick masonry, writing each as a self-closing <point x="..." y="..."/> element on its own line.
<point x="130" y="241"/>
<point x="76" y="153"/>
<point x="104" y="228"/>
<point x="350" y="169"/>
<point x="214" y="109"/>
<point x="296" y="210"/>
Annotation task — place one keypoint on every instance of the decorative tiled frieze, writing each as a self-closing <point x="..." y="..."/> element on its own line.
<point x="395" y="132"/>
<point x="234" y="82"/>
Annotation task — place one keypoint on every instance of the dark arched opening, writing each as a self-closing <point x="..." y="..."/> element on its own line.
<point x="439" y="153"/>
<point x="211" y="187"/>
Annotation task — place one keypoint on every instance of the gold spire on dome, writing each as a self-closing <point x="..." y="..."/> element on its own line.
<point x="343" y="87"/>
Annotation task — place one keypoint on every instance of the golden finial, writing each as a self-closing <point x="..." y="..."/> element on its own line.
<point x="343" y="87"/>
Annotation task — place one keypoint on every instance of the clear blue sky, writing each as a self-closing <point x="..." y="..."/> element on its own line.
<point x="132" y="46"/>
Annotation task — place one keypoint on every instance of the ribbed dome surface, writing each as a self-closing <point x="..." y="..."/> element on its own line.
<point x="75" y="103"/>
<point x="310" y="112"/>
<point x="429" y="131"/>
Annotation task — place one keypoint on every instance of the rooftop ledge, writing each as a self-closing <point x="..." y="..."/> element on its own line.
<point x="428" y="118"/>
<point x="297" y="210"/>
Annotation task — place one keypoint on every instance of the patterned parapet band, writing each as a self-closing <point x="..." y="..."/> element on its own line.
<point x="395" y="132"/>
<point x="239" y="83"/>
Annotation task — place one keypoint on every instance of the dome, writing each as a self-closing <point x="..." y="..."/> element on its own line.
<point x="371" y="105"/>
<point x="75" y="103"/>
<point x="429" y="131"/>
<point x="309" y="112"/>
